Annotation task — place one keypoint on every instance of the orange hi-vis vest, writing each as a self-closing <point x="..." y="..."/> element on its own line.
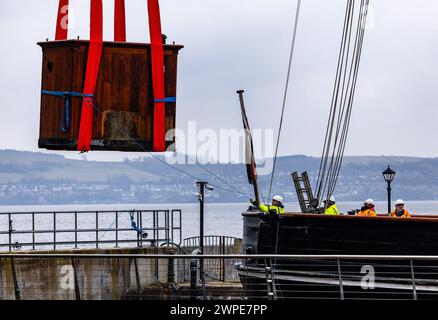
<point x="367" y="213"/>
<point x="405" y="214"/>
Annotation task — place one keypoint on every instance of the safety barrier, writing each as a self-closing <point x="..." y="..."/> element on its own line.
<point x="156" y="276"/>
<point x="71" y="229"/>
<point x="216" y="269"/>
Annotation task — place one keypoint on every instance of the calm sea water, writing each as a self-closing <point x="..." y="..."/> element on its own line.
<point x="220" y="219"/>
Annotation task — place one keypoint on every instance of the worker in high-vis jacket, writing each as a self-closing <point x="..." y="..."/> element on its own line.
<point x="276" y="206"/>
<point x="368" y="209"/>
<point x="331" y="208"/>
<point x="400" y="211"/>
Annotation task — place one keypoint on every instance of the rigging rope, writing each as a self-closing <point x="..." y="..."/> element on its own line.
<point x="291" y="55"/>
<point x="208" y="171"/>
<point x="342" y="100"/>
<point x="234" y="189"/>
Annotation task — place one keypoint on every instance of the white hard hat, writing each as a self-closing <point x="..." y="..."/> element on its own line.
<point x="278" y="198"/>
<point x="399" y="201"/>
<point x="332" y="199"/>
<point x="369" y="201"/>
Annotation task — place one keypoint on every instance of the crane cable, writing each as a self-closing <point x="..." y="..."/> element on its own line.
<point x="291" y="55"/>
<point x="342" y="100"/>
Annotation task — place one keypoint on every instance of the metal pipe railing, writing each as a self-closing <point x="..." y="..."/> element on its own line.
<point x="219" y="256"/>
<point x="157" y="222"/>
<point x="274" y="276"/>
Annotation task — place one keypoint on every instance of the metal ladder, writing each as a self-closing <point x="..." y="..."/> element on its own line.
<point x="307" y="201"/>
<point x="272" y="292"/>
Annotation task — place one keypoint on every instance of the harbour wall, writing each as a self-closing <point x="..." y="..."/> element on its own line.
<point x="81" y="278"/>
<point x="97" y="278"/>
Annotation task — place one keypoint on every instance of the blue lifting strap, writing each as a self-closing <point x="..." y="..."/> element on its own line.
<point x="134" y="224"/>
<point x="166" y="100"/>
<point x="65" y="123"/>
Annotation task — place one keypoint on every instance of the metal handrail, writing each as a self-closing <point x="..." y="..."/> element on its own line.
<point x="163" y="228"/>
<point x="327" y="280"/>
<point x="214" y="244"/>
<point x="72" y="211"/>
<point x="218" y="256"/>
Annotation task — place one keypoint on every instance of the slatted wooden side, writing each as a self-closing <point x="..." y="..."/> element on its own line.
<point x="123" y="117"/>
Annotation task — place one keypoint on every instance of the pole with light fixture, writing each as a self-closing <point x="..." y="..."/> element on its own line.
<point x="388" y="175"/>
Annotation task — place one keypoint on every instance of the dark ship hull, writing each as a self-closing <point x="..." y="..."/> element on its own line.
<point x="309" y="234"/>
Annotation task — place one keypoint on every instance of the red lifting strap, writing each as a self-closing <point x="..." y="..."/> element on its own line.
<point x="157" y="52"/>
<point x="119" y="21"/>
<point x="62" y="21"/>
<point x="93" y="64"/>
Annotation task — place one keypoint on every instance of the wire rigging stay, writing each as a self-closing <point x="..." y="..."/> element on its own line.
<point x="291" y="55"/>
<point x="342" y="98"/>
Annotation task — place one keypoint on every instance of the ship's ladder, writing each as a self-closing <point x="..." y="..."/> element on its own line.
<point x="307" y="201"/>
<point x="272" y="292"/>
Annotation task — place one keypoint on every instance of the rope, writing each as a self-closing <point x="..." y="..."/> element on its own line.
<point x="353" y="70"/>
<point x="197" y="179"/>
<point x="323" y="164"/>
<point x="291" y="55"/>
<point x="357" y="51"/>
<point x="134" y="224"/>
<point x="183" y="171"/>
<point x="329" y="131"/>
<point x="342" y="100"/>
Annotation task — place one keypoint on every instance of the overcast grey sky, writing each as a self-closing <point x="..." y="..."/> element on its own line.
<point x="234" y="44"/>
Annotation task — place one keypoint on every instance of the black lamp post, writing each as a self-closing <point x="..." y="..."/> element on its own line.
<point x="388" y="175"/>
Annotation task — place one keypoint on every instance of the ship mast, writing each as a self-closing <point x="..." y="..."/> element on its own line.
<point x="249" y="149"/>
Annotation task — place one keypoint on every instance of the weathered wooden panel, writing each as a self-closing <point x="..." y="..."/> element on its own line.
<point x="305" y="234"/>
<point x="313" y="234"/>
<point x="124" y="103"/>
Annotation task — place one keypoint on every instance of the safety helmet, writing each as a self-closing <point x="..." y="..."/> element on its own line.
<point x="399" y="201"/>
<point x="370" y="201"/>
<point x="278" y="198"/>
<point x="332" y="199"/>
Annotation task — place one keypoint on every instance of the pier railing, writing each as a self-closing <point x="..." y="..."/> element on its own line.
<point x="274" y="277"/>
<point x="215" y="269"/>
<point x="88" y="229"/>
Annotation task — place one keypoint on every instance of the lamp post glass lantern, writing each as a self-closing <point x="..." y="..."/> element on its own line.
<point x="388" y="175"/>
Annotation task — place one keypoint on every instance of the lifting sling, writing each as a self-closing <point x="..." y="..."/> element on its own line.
<point x="93" y="65"/>
<point x="62" y="20"/>
<point x="157" y="52"/>
<point x="119" y="21"/>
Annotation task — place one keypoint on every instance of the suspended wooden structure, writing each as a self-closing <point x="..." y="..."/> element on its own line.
<point x="115" y="96"/>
